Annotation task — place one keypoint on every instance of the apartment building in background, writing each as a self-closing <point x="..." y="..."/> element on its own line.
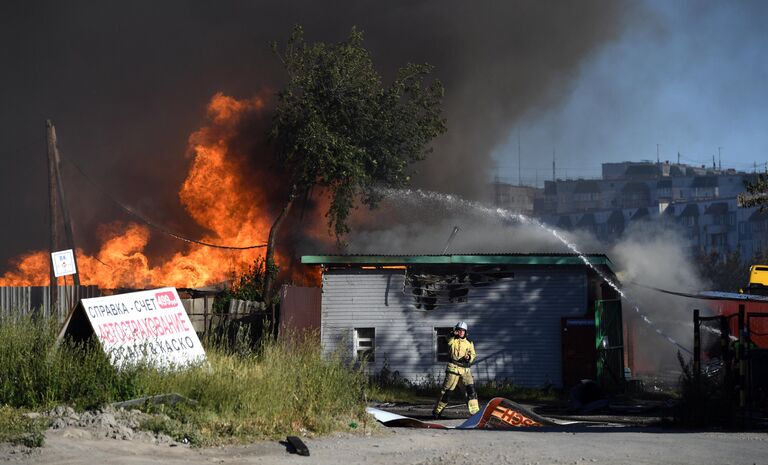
<point x="700" y="201"/>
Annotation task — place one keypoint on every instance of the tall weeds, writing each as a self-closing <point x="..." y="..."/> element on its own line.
<point x="37" y="373"/>
<point x="242" y="393"/>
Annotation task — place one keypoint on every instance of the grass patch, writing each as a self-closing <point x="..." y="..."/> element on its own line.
<point x="243" y="393"/>
<point x="284" y="387"/>
<point x="35" y="373"/>
<point x="18" y="428"/>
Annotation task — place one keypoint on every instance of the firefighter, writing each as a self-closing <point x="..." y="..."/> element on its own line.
<point x="461" y="353"/>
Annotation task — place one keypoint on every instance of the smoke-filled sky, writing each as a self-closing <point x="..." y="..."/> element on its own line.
<point x="127" y="83"/>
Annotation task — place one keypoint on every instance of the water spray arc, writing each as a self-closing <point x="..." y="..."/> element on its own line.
<point x="457" y="203"/>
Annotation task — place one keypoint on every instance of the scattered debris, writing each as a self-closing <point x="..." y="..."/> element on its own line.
<point x="107" y="423"/>
<point x="499" y="413"/>
<point x="298" y="445"/>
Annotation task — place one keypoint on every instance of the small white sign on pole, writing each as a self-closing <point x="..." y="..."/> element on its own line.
<point x="63" y="263"/>
<point x="149" y="327"/>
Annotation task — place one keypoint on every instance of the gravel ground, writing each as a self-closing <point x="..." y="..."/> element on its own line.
<point x="109" y="437"/>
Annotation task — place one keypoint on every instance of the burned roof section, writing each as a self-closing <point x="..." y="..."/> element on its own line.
<point x="443" y="280"/>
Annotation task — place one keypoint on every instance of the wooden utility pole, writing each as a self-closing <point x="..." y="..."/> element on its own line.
<point x="58" y="212"/>
<point x="53" y="205"/>
<point x="64" y="210"/>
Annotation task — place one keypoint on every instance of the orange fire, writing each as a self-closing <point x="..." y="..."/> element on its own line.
<point x="217" y="193"/>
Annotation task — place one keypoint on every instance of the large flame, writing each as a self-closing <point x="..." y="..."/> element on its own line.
<point x="217" y="194"/>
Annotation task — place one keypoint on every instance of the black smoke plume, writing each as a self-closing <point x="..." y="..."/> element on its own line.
<point x="126" y="83"/>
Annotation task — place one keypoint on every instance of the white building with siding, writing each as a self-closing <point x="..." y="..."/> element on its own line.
<point x="396" y="311"/>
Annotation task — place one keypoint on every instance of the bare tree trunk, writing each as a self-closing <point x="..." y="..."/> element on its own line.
<point x="270" y="271"/>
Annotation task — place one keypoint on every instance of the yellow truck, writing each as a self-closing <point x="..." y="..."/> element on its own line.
<point x="758" y="280"/>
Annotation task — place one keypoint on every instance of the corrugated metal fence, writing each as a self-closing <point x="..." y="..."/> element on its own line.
<point x="204" y="317"/>
<point x="28" y="299"/>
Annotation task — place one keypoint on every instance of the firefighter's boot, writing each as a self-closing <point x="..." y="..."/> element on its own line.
<point x="472" y="404"/>
<point x="442" y="402"/>
<point x="438" y="410"/>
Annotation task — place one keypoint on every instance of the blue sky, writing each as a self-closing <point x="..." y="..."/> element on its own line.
<point x="689" y="76"/>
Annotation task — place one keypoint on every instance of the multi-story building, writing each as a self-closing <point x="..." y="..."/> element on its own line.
<point x="516" y="198"/>
<point x="702" y="202"/>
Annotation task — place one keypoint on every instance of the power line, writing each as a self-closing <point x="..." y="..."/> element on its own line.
<point x="97" y="259"/>
<point x="151" y="223"/>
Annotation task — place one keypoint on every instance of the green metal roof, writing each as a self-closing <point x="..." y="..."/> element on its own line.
<point x="476" y="259"/>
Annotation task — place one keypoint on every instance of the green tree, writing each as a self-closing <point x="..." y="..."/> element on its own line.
<point x="725" y="272"/>
<point x="757" y="192"/>
<point x="339" y="127"/>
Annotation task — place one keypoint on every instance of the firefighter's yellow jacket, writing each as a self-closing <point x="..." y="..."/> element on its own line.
<point x="458" y="349"/>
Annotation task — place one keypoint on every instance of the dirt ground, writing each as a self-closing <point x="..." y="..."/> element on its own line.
<point x="613" y="446"/>
<point x="607" y="443"/>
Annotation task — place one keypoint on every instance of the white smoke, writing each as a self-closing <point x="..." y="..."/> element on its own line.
<point x="656" y="256"/>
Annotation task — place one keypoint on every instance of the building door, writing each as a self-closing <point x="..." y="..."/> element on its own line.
<point x="579" y="355"/>
<point x="609" y="343"/>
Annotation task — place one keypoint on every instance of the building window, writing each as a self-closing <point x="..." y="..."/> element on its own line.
<point x="365" y="344"/>
<point x="441" y="344"/>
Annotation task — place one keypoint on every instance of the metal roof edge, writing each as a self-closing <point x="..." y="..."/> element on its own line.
<point x="527" y="259"/>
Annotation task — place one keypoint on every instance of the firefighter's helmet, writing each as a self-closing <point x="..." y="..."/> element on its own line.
<point x="461" y="325"/>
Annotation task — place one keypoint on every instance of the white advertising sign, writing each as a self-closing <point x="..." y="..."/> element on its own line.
<point x="145" y="327"/>
<point x="63" y="263"/>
